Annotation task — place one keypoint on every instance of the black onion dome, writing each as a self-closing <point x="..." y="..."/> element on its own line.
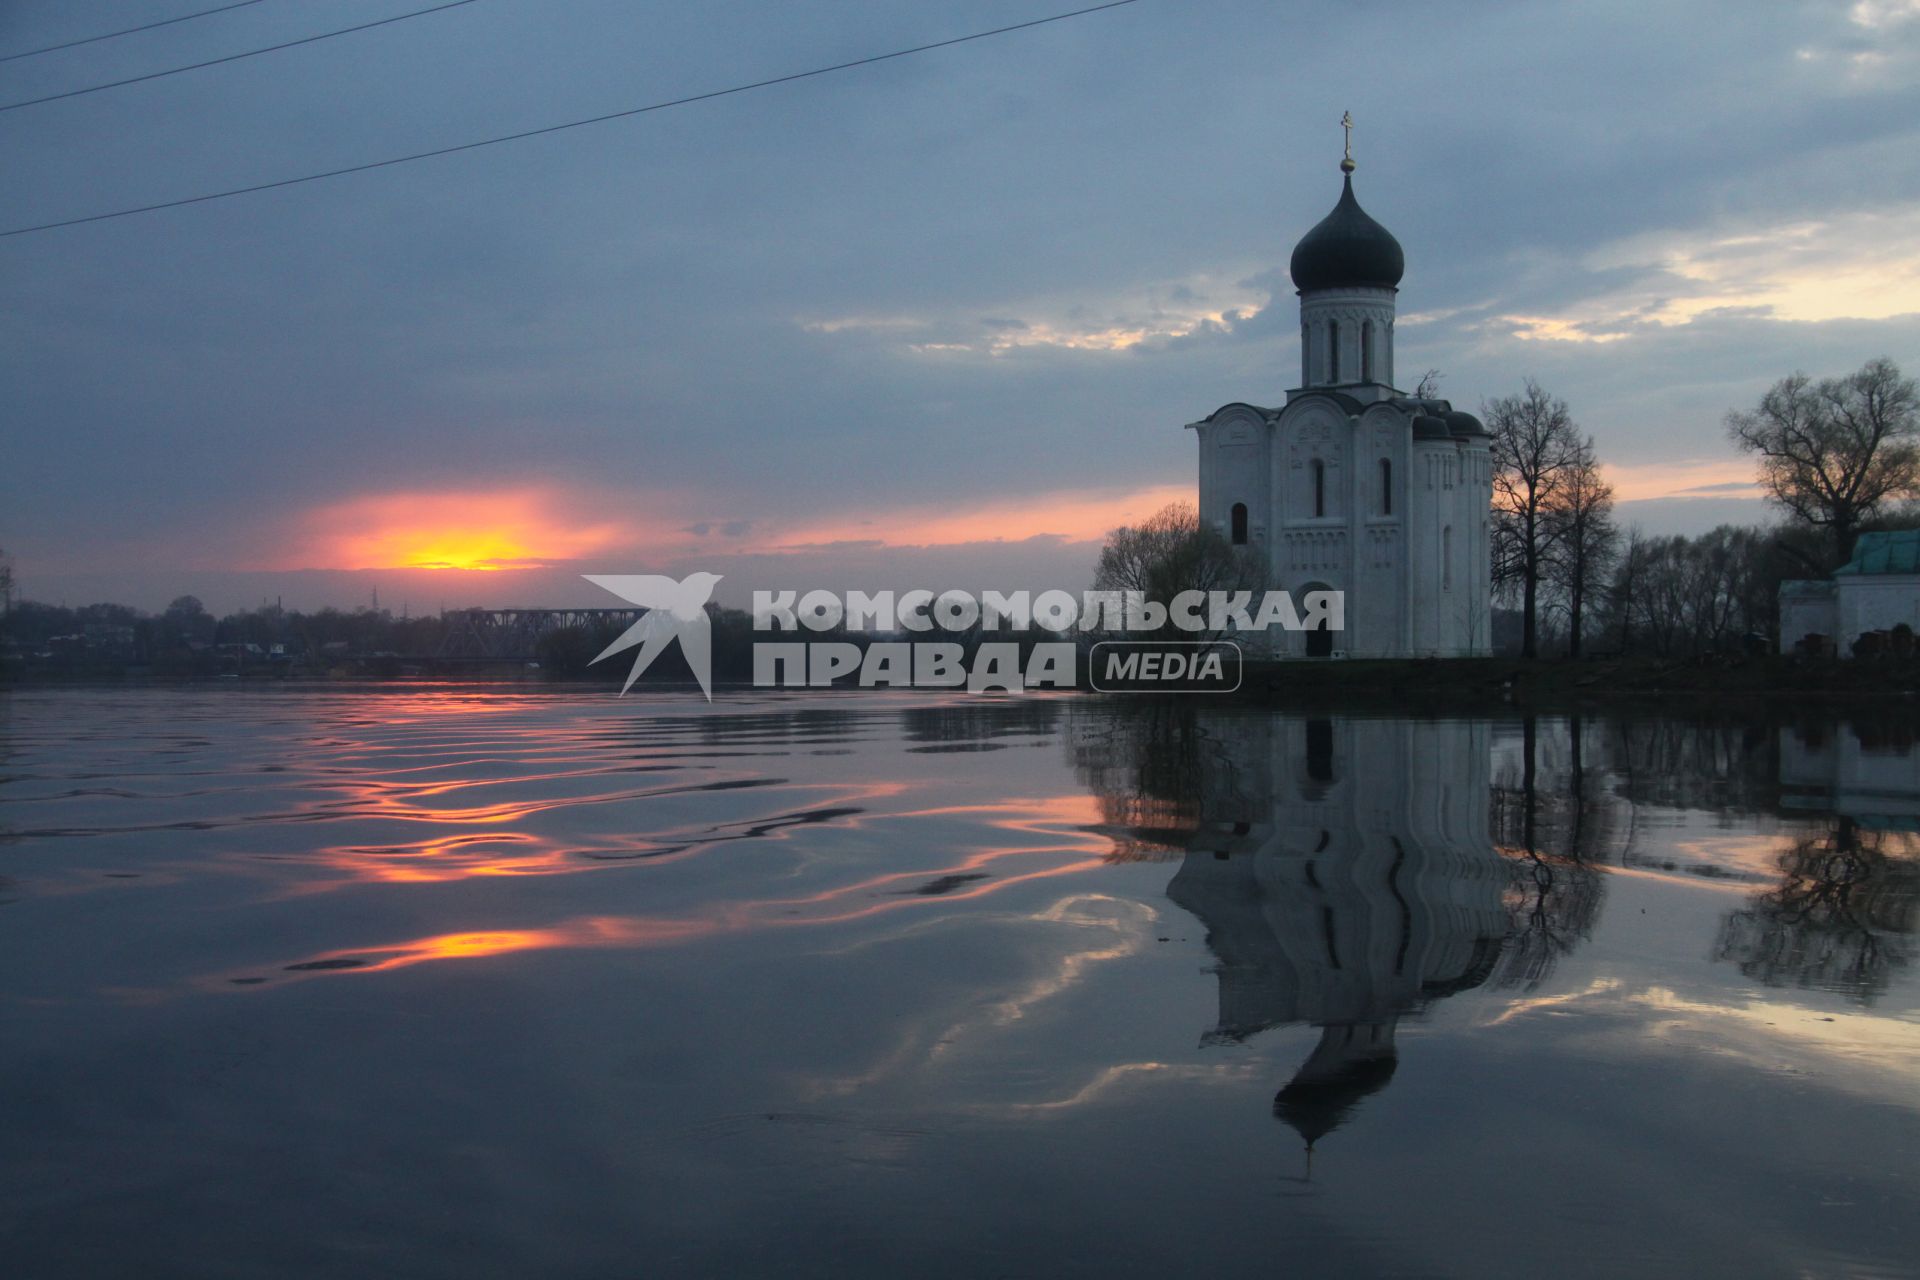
<point x="1464" y="424"/>
<point x="1316" y="1106"/>
<point x="1428" y="427"/>
<point x="1347" y="248"/>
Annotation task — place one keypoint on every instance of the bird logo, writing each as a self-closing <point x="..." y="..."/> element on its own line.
<point x="674" y="609"/>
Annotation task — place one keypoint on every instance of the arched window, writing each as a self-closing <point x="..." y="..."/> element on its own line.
<point x="1239" y="524"/>
<point x="1333" y="351"/>
<point x="1366" y="351"/>
<point x="1306" y="356"/>
<point x="1386" y="486"/>
<point x="1319" y="487"/>
<point x="1446" y="558"/>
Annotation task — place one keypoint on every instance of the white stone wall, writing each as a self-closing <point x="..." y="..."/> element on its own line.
<point x="1427" y="563"/>
<point x="1876" y="602"/>
<point x="1377" y="607"/>
<point x="1235" y="465"/>
<point x="1467" y="617"/>
<point x="1448" y="543"/>
<point x="1414" y="571"/>
<point x="1310" y="551"/>
<point x="1851" y="605"/>
<point x="1803" y="614"/>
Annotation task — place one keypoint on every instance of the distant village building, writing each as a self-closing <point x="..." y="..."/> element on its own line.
<point x="1876" y="591"/>
<point x="1352" y="485"/>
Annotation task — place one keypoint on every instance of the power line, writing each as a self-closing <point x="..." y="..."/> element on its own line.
<point x="232" y="57"/>
<point x="164" y="22"/>
<point x="571" y="124"/>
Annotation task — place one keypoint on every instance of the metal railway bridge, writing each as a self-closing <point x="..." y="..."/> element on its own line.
<point x="513" y="635"/>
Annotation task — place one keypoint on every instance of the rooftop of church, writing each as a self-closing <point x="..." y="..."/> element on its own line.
<point x="1347" y="248"/>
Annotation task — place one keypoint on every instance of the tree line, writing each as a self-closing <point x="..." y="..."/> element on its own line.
<point x="187" y="639"/>
<point x="1837" y="457"/>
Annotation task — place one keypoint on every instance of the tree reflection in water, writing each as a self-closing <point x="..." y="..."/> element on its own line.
<point x="1842" y="917"/>
<point x="1844" y="914"/>
<point x="1555" y="833"/>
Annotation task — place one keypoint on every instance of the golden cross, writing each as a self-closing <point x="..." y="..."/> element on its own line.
<point x="1346" y="122"/>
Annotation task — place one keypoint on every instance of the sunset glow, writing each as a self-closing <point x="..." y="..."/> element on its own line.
<point x="1071" y="515"/>
<point x="490" y="530"/>
<point x="475" y="531"/>
<point x="1691" y="478"/>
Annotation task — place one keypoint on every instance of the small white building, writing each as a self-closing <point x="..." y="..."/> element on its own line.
<point x="1352" y="485"/>
<point x="1877" y="590"/>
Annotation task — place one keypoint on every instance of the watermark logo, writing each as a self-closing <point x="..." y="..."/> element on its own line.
<point x="1164" y="666"/>
<point x="675" y="611"/>
<point x="993" y="642"/>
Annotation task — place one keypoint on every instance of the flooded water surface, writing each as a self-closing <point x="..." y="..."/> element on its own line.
<point x="458" y="982"/>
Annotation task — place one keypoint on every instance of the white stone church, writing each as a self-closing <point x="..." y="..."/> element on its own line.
<point x="1352" y="485"/>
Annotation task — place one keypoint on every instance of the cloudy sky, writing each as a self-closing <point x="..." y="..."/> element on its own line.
<point x="933" y="322"/>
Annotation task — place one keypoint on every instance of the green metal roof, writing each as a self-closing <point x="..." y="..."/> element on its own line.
<point x="1897" y="552"/>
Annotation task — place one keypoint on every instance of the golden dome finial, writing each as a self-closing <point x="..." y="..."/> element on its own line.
<point x="1346" y="123"/>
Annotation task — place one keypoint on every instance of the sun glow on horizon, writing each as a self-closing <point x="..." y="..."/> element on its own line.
<point x="478" y="531"/>
<point x="487" y="531"/>
<point x="482" y="551"/>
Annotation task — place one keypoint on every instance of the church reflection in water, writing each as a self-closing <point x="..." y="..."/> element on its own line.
<point x="1347" y="876"/>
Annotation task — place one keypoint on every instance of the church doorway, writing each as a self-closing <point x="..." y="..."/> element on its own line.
<point x="1319" y="636"/>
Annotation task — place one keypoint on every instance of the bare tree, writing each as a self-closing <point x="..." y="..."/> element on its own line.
<point x="1535" y="444"/>
<point x="1173" y="551"/>
<point x="1832" y="452"/>
<point x="1584" y="539"/>
<point x="1630" y="565"/>
<point x="1695" y="595"/>
<point x="1428" y="388"/>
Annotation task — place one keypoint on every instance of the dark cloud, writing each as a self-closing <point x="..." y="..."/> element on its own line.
<point x="856" y="290"/>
